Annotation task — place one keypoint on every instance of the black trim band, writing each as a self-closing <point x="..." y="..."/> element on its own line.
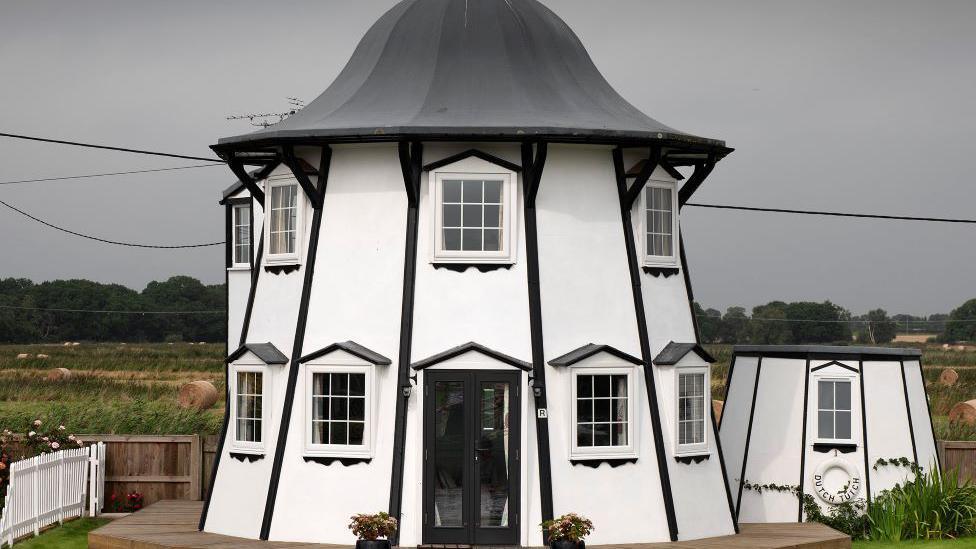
<point x="477" y="154"/>
<point x="461" y="267"/>
<point x="346" y="462"/>
<point x="627" y="197"/>
<point x="864" y="434"/>
<point x="666" y="272"/>
<point x="745" y="453"/>
<point x="803" y="438"/>
<point x="281" y="269"/>
<point x="242" y="457"/>
<point x="833" y="363"/>
<point x="688" y="460"/>
<point x="411" y="159"/>
<point x="928" y="408"/>
<point x="466" y="348"/>
<point x="296" y="352"/>
<point x="842" y="447"/>
<point x="908" y="409"/>
<point x="596" y="463"/>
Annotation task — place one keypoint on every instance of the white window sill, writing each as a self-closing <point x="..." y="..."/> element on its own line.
<point x="603" y="456"/>
<point x="474" y="259"/>
<point x="661" y="263"/>
<point x="241" y="267"/>
<point x="692" y="452"/>
<point x="251" y="451"/>
<point x="337" y="454"/>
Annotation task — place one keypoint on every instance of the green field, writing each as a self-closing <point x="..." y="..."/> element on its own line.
<point x="132" y="389"/>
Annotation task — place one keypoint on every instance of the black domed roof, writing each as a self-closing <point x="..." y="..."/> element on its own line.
<point x="474" y="69"/>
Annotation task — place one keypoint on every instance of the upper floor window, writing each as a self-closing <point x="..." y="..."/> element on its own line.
<point x="603" y="413"/>
<point x="338" y="418"/>
<point x="834" y="409"/>
<point x="241" y="235"/>
<point x="693" y="400"/>
<point x="248" y="407"/>
<point x="474" y="219"/>
<point x="284" y="220"/>
<point x="660" y="223"/>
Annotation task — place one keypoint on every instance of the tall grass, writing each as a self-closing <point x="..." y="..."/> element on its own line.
<point x="116" y="356"/>
<point x="933" y="506"/>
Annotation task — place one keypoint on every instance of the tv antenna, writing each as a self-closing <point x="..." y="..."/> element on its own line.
<point x="265" y="119"/>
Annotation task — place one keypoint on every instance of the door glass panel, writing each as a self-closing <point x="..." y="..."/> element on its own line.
<point x="448" y="453"/>
<point x="492" y="454"/>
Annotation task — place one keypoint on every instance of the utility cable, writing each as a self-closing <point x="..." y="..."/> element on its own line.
<point x="109" y="311"/>
<point x="107" y="147"/>
<point x="107" y="174"/>
<point x="833" y="214"/>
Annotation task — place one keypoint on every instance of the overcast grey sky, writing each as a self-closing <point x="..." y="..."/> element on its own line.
<point x="855" y="106"/>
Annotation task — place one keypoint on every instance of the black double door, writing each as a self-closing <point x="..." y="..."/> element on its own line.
<point x="471" y="457"/>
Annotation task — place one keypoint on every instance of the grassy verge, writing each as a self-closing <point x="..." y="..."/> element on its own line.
<point x="964" y="543"/>
<point x="71" y="535"/>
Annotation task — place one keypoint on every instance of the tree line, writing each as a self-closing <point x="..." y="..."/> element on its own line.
<point x="24" y="320"/>
<point x="803" y="322"/>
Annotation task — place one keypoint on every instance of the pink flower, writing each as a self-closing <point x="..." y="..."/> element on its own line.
<point x="61" y="427"/>
<point x="55" y="445"/>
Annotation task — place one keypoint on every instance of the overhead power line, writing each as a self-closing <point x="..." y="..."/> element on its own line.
<point x="833" y="214"/>
<point x="107" y="241"/>
<point x="107" y="174"/>
<point x="108" y="148"/>
<point x="853" y="320"/>
<point x="109" y="311"/>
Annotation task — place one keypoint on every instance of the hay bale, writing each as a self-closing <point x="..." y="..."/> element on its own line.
<point x="964" y="412"/>
<point x="43" y="356"/>
<point x="717" y="406"/>
<point x="22" y="356"/>
<point x="59" y="374"/>
<point x="948" y="377"/>
<point x="197" y="395"/>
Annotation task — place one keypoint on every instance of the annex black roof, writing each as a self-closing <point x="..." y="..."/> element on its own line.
<point x="674" y="352"/>
<point x="481" y="69"/>
<point x="825" y="350"/>
<point x="352" y="348"/>
<point x="268" y="353"/>
<point x="590" y="349"/>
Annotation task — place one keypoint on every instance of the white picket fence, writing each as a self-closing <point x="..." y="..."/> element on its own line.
<point x="52" y="488"/>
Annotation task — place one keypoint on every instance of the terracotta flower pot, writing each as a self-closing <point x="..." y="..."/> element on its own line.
<point x="373" y="544"/>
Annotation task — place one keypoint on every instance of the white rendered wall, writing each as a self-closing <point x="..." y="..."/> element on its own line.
<point x="587" y="298"/>
<point x="735" y="417"/>
<point x="775" y="442"/>
<point x="355" y="295"/>
<point x="239" y="281"/>
<point x="887" y="418"/>
<point x="921" y="420"/>
<point x="241" y="488"/>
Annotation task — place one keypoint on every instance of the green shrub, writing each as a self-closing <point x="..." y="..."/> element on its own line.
<point x="933" y="506"/>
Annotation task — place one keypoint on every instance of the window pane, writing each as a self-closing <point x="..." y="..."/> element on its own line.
<point x="584" y="386"/>
<point x="619" y="409"/>
<point x="493" y="192"/>
<point x="452" y="191"/>
<point x="825" y="424"/>
<point x="826" y="398"/>
<point x="843" y="425"/>
<point x="357" y="384"/>
<point x="842" y="391"/>
<point x="584" y="435"/>
<point x="339" y="408"/>
<point x="492" y="243"/>
<point x="356" y="431"/>
<point x="471" y="216"/>
<point x="339" y="433"/>
<point x="452" y="239"/>
<point x="601" y="434"/>
<point x="601" y="386"/>
<point x="340" y="384"/>
<point x="357" y="408"/>
<point x="619" y="385"/>
<point x="471" y="240"/>
<point x="601" y="409"/>
<point x="320" y="384"/>
<point x="584" y="410"/>
<point x="472" y="192"/>
<point x="320" y="408"/>
<point x="320" y="432"/>
<point x="619" y="433"/>
<point x="493" y="216"/>
<point x="452" y="215"/>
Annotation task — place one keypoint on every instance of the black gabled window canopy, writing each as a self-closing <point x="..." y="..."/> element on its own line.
<point x="674" y="352"/>
<point x="267" y="352"/>
<point x="590" y="349"/>
<point x="477" y="154"/>
<point x="467" y="347"/>
<point x="352" y="348"/>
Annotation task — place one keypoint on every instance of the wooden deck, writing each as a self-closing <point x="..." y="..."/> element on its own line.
<point x="173" y="524"/>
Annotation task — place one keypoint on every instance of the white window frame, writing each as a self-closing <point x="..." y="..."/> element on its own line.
<point x="300" y="203"/>
<point x="697" y="448"/>
<point x="660" y="260"/>
<point x="816" y="407"/>
<point x="629" y="451"/>
<point x="483" y="170"/>
<point x="244" y="446"/>
<point x="250" y="226"/>
<point x="339" y="366"/>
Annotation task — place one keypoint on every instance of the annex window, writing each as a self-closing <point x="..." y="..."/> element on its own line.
<point x="474" y="217"/>
<point x="693" y="400"/>
<point x="338" y="411"/>
<point x="284" y="220"/>
<point x="834" y="409"/>
<point x="249" y="408"/>
<point x="660" y="223"/>
<point x="242" y="235"/>
<point x="603" y="412"/>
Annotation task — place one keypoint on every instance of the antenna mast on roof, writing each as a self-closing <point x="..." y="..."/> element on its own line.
<point x="264" y="120"/>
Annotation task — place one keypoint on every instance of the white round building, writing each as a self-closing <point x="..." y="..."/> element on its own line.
<point x="457" y="292"/>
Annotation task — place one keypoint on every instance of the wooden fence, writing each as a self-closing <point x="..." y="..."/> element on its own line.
<point x="959" y="455"/>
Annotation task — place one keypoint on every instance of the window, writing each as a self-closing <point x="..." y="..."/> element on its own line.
<point x="284" y="220"/>
<point x="242" y="235"/>
<point x="834" y="409"/>
<point x="473" y="217"/>
<point x="693" y="399"/>
<point x="248" y="410"/>
<point x="603" y="413"/>
<point x="660" y="223"/>
<point x="338" y="411"/>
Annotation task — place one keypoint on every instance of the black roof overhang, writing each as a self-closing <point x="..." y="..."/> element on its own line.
<point x="827" y="352"/>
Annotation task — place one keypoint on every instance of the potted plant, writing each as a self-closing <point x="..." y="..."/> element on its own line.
<point x="370" y="528"/>
<point x="567" y="531"/>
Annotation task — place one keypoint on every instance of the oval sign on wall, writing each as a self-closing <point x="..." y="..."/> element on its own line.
<point x="836" y="480"/>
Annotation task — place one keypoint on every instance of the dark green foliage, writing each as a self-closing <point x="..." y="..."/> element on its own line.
<point x="876" y="327"/>
<point x="179" y="293"/>
<point x="933" y="506"/>
<point x="961" y="324"/>
<point x="848" y="517"/>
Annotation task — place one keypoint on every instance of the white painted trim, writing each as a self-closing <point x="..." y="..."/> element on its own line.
<point x="339" y="365"/>
<point x="849" y="378"/>
<point x="266" y="416"/>
<point x="700" y="447"/>
<point x="659" y="260"/>
<point x="300" y="203"/>
<point x="475" y="168"/>
<point x="606" y="367"/>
